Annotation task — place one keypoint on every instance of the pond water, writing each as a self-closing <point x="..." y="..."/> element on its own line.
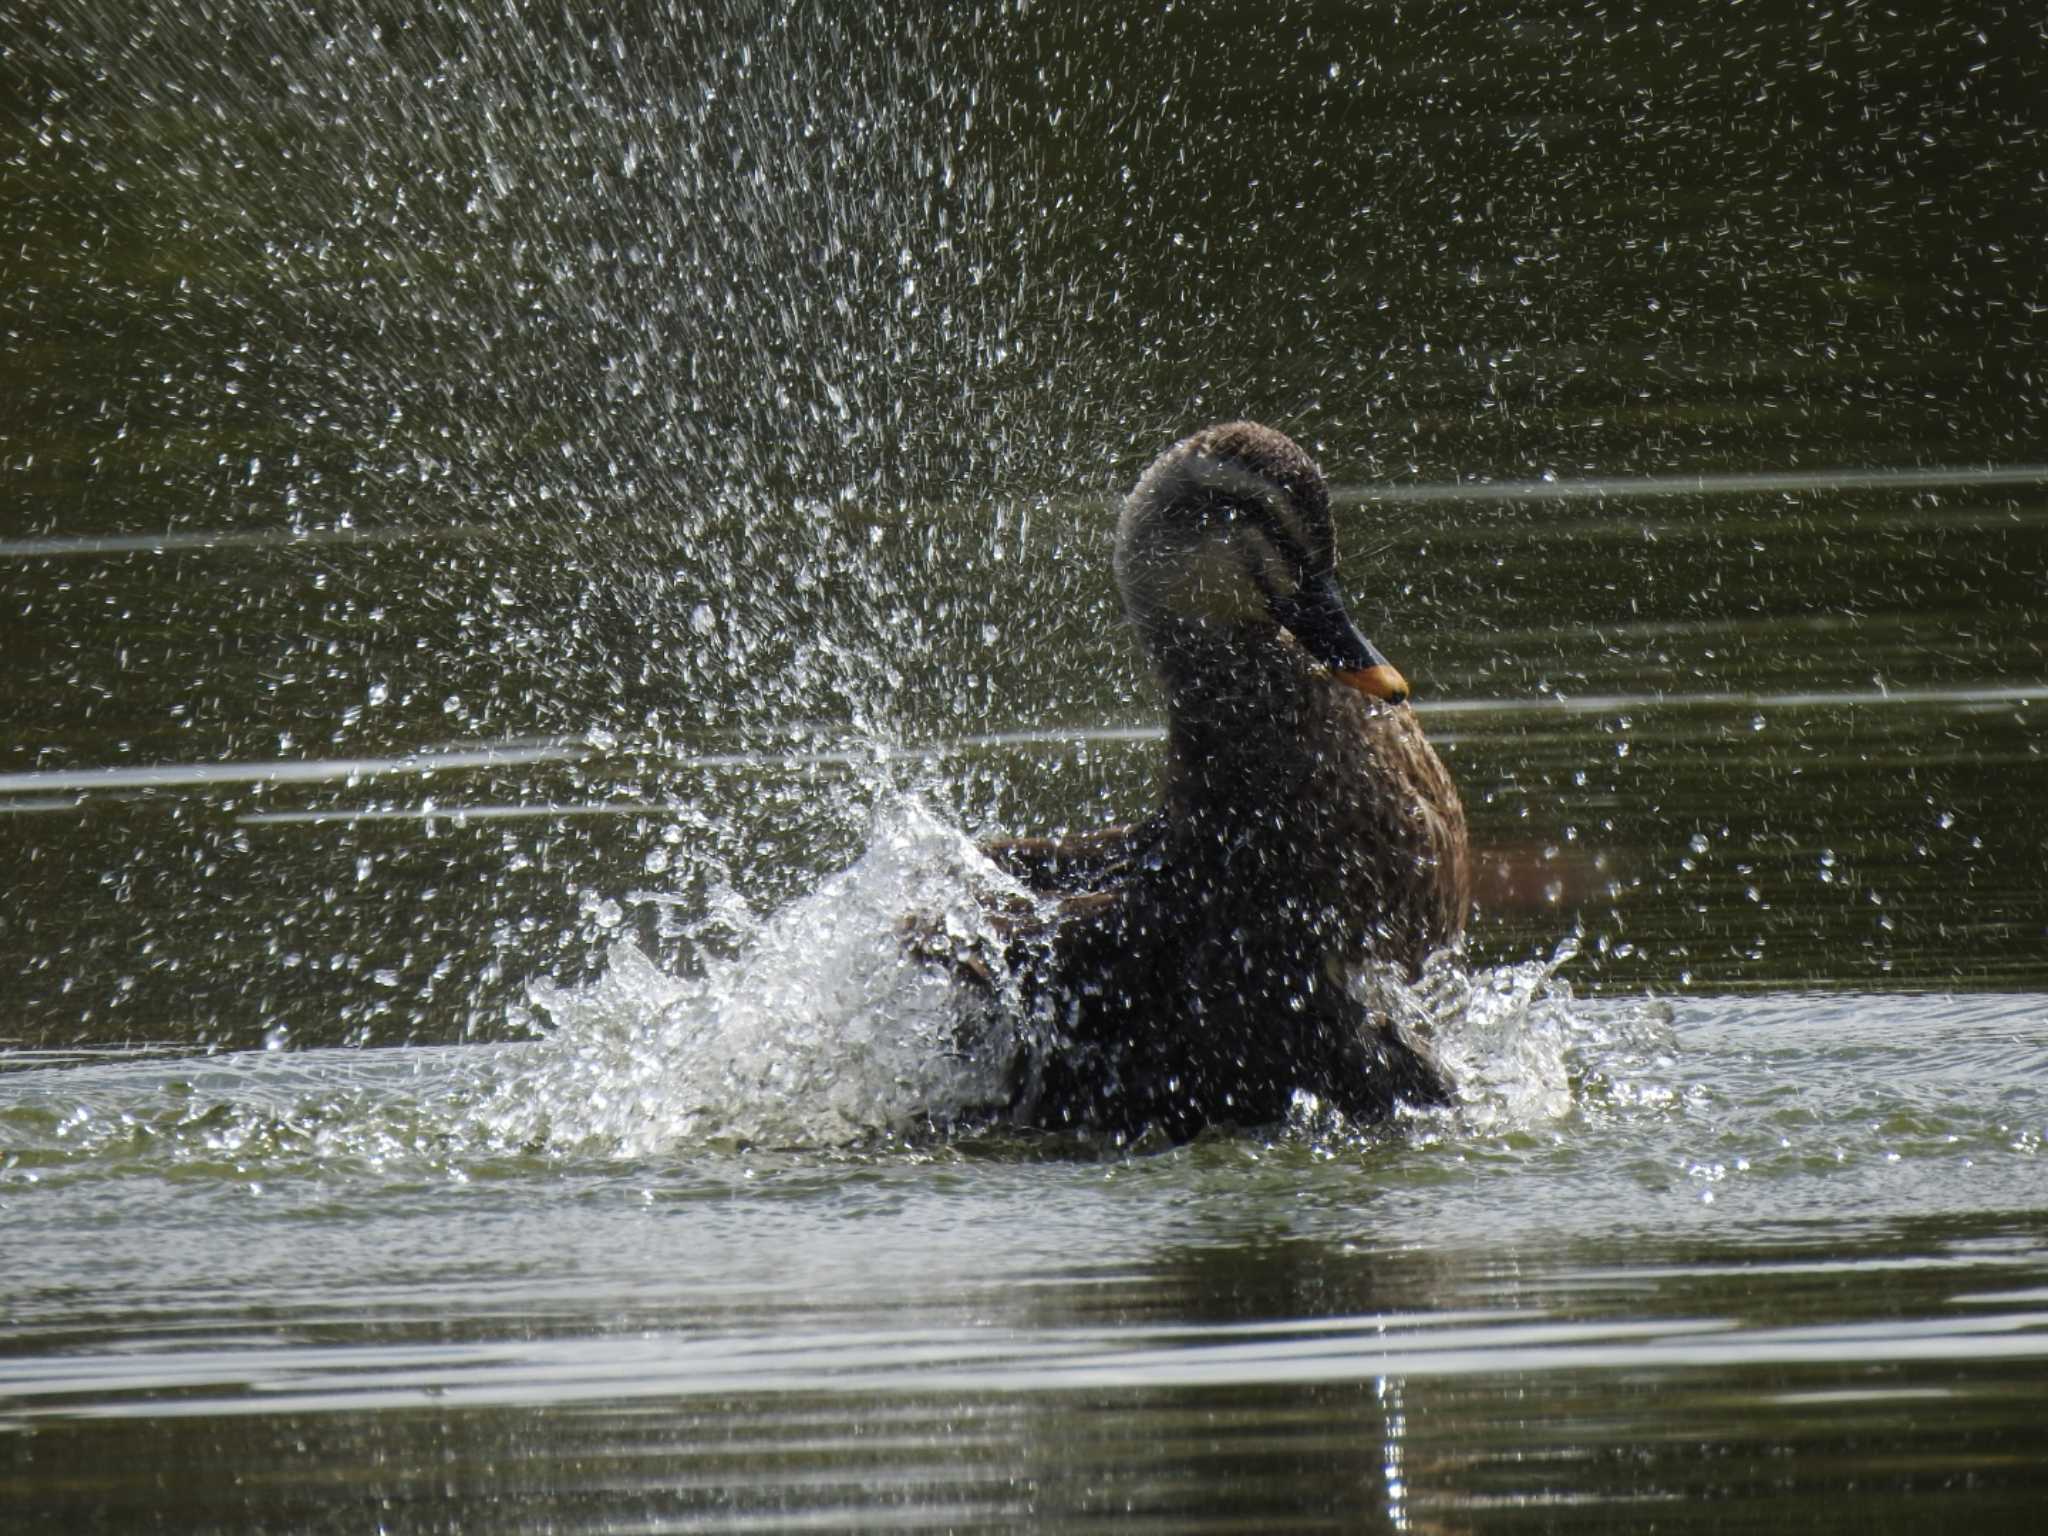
<point x="529" y="543"/>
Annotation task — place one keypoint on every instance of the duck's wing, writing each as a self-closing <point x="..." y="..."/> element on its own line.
<point x="1415" y="827"/>
<point x="1074" y="864"/>
<point x="1074" y="875"/>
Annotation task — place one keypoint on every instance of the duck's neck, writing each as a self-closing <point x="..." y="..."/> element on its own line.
<point x="1239" y="706"/>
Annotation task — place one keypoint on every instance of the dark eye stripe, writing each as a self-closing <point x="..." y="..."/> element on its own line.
<point x="1285" y="540"/>
<point x="1255" y="567"/>
<point x="1264" y="503"/>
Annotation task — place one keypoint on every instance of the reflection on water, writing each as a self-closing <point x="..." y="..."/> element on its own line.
<point x="495" y="503"/>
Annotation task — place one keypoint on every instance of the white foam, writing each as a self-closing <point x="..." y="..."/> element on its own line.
<point x="1517" y="1044"/>
<point x="823" y="1030"/>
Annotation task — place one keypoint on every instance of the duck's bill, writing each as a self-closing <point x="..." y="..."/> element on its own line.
<point x="1315" y="615"/>
<point x="1380" y="682"/>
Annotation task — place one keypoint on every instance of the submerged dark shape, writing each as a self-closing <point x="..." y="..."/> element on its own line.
<point x="1196" y="967"/>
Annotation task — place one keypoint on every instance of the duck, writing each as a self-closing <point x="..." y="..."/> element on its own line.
<point x="1197" y="968"/>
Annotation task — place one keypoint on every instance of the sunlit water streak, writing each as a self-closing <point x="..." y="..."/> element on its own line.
<point x="663" y="1366"/>
<point x="1612" y="488"/>
<point x="1638" y="487"/>
<point x="455" y="757"/>
<point x="191" y="540"/>
<point x="423" y="764"/>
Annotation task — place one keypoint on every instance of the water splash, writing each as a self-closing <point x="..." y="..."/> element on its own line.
<point x="824" y="1028"/>
<point x="585" y="323"/>
<point x="1524" y="1053"/>
<point x="828" y="1026"/>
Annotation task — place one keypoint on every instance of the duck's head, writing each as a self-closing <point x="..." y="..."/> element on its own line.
<point x="1231" y="527"/>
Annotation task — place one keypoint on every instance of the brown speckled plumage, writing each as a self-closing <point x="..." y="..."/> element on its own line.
<point x="1197" y="969"/>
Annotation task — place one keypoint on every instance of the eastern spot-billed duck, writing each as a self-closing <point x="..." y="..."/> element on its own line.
<point x="1197" y="967"/>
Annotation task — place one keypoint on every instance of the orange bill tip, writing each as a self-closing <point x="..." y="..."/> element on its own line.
<point x="1381" y="682"/>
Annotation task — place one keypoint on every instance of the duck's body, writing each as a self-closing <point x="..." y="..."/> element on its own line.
<point x="1198" y="966"/>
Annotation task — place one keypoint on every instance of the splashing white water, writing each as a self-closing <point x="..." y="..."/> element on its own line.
<point x="1515" y="1041"/>
<point x="825" y="1028"/>
<point x="834" y="1025"/>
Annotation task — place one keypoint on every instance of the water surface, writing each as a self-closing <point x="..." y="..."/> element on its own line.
<point x="527" y="541"/>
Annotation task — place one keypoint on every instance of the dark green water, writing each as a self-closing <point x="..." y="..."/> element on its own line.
<point x="491" y="498"/>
